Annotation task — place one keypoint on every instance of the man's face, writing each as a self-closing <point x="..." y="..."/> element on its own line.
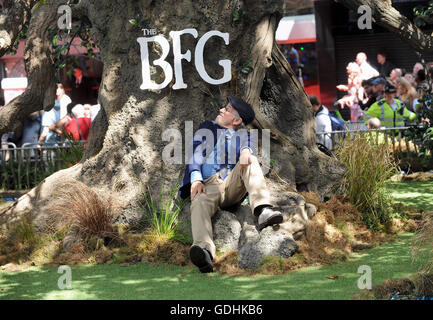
<point x="59" y="92"/>
<point x="393" y="75"/>
<point x="417" y="67"/>
<point x="389" y="97"/>
<point x="368" y="89"/>
<point x="316" y="107"/>
<point x="360" y="59"/>
<point x="228" y="117"/>
<point x="381" y="59"/>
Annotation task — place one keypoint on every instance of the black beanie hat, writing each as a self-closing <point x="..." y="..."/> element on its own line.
<point x="245" y="111"/>
<point x="389" y="88"/>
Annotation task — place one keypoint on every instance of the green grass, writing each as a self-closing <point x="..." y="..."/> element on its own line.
<point x="413" y="194"/>
<point x="146" y="281"/>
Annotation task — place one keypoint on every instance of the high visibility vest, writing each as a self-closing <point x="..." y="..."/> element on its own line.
<point x="388" y="117"/>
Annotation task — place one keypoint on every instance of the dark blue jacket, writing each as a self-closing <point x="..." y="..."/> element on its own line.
<point x="243" y="139"/>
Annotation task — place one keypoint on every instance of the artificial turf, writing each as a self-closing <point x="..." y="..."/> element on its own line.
<point x="147" y="281"/>
<point x="413" y="193"/>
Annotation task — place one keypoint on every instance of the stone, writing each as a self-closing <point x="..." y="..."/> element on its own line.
<point x="278" y="243"/>
<point x="238" y="231"/>
<point x="226" y="231"/>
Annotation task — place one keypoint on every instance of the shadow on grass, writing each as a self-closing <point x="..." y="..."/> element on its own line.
<point x="413" y="193"/>
<point x="147" y="281"/>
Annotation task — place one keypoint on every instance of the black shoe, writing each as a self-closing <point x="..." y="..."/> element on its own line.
<point x="201" y="258"/>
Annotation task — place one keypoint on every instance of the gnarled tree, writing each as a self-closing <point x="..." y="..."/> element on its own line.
<point x="125" y="145"/>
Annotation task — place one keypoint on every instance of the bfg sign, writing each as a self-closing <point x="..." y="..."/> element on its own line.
<point x="148" y="84"/>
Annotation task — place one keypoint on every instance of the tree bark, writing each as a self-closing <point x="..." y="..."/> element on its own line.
<point x="41" y="89"/>
<point x="125" y="145"/>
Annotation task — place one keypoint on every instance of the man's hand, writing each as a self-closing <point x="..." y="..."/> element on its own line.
<point x="245" y="158"/>
<point x="197" y="187"/>
<point x="342" y="87"/>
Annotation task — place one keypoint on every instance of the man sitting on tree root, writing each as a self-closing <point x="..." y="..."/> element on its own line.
<point x="213" y="179"/>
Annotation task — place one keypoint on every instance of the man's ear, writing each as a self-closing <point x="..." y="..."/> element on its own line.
<point x="237" y="122"/>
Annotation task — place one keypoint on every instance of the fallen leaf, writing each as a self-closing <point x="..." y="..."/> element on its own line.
<point x="333" y="277"/>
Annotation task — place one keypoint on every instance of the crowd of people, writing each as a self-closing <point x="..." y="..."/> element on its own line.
<point x="367" y="86"/>
<point x="384" y="97"/>
<point x="66" y="120"/>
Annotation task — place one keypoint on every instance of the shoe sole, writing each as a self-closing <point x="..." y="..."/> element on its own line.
<point x="275" y="219"/>
<point x="198" y="258"/>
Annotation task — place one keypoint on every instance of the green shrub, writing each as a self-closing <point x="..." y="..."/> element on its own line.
<point x="369" y="165"/>
<point x="163" y="215"/>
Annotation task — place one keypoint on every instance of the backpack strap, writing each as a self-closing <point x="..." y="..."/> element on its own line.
<point x="79" y="130"/>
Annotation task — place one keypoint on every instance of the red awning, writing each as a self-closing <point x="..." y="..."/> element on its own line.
<point x="296" y="29"/>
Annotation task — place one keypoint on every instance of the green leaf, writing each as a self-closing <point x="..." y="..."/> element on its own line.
<point x="61" y="66"/>
<point x="133" y="22"/>
<point x="54" y="41"/>
<point x="39" y="4"/>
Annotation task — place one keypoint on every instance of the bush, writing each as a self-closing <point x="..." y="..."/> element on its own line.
<point x="89" y="213"/>
<point x="163" y="216"/>
<point x="369" y="165"/>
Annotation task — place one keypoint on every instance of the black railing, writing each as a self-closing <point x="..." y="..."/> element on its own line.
<point x="26" y="166"/>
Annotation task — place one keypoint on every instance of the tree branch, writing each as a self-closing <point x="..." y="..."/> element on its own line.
<point x="388" y="17"/>
<point x="40" y="93"/>
<point x="14" y="16"/>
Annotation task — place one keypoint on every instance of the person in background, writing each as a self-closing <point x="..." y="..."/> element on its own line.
<point x="369" y="96"/>
<point x="49" y="119"/>
<point x="385" y="67"/>
<point x="75" y="123"/>
<point x="395" y="74"/>
<point x="63" y="99"/>
<point x="5" y="155"/>
<point x="355" y="91"/>
<point x="367" y="71"/>
<point x="379" y="87"/>
<point x="373" y="124"/>
<point x="410" y="78"/>
<point x="323" y="122"/>
<point x="407" y="94"/>
<point x="417" y="67"/>
<point x="31" y="129"/>
<point x="391" y="111"/>
<point x="82" y="92"/>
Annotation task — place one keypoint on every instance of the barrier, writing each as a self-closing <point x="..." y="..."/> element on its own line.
<point x="392" y="136"/>
<point x="28" y="165"/>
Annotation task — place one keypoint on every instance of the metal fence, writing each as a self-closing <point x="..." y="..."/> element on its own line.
<point x="394" y="137"/>
<point x="26" y="166"/>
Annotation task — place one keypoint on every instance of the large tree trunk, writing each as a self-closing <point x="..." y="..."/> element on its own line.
<point x="125" y="147"/>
